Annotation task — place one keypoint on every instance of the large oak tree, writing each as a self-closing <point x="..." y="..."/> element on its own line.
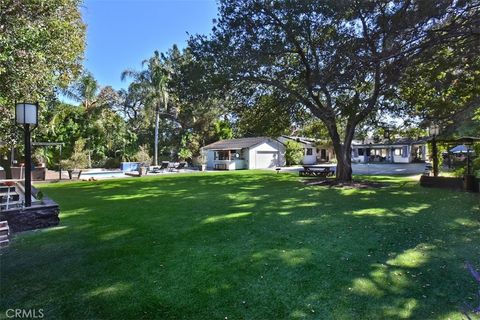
<point x="41" y="48"/>
<point x="339" y="58"/>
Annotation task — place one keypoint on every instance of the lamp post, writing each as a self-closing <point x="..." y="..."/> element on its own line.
<point x="433" y="131"/>
<point x="26" y="114"/>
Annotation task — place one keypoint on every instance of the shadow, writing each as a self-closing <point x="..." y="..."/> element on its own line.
<point x="246" y="245"/>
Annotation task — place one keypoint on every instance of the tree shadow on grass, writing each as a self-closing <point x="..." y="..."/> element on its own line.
<point x="246" y="246"/>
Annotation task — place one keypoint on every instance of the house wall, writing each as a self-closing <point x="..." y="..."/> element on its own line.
<point x="400" y="159"/>
<point x="355" y="155"/>
<point x="210" y="158"/>
<point x="405" y="157"/>
<point x="329" y="155"/>
<point x="248" y="156"/>
<point x="230" y="164"/>
<point x="309" y="159"/>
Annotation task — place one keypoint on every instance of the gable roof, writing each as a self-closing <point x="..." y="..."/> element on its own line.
<point x="303" y="140"/>
<point x="396" y="142"/>
<point x="235" y="144"/>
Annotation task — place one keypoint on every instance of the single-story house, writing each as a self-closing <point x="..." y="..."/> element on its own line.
<point x="315" y="151"/>
<point x="245" y="153"/>
<point x="403" y="150"/>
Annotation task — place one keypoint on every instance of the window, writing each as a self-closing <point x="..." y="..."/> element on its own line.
<point x="309" y="151"/>
<point x="360" y="151"/>
<point x="223" y="155"/>
<point x="398" y="152"/>
<point x="324" y="154"/>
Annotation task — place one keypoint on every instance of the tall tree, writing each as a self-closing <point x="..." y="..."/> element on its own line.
<point x="269" y="115"/>
<point x="338" y="58"/>
<point x="153" y="83"/>
<point x="199" y="110"/>
<point x="41" y="47"/>
<point x="84" y="90"/>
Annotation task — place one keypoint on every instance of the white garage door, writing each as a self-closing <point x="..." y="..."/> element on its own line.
<point x="265" y="159"/>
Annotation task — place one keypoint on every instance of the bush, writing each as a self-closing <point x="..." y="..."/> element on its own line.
<point x="476" y="166"/>
<point x="185" y="154"/>
<point x="79" y="157"/>
<point x="293" y="152"/>
<point x="143" y="156"/>
<point x="112" y="163"/>
<point x="459" y="172"/>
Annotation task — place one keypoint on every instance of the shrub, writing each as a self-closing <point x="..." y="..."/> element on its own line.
<point x="38" y="157"/>
<point x="459" y="172"/>
<point x="184" y="154"/>
<point x="293" y="152"/>
<point x="112" y="163"/>
<point x="79" y="157"/>
<point x="476" y="166"/>
<point x="143" y="156"/>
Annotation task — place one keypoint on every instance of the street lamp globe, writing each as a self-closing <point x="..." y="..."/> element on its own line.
<point x="26" y="113"/>
<point x="433" y="130"/>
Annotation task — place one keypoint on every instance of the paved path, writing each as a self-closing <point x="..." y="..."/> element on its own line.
<point x="388" y="169"/>
<point x="379" y="169"/>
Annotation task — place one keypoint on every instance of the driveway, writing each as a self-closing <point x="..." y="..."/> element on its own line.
<point x="378" y="169"/>
<point x="388" y="168"/>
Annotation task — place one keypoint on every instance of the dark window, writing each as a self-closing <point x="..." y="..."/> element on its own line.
<point x="324" y="154"/>
<point x="309" y="151"/>
<point x="360" y="152"/>
<point x="223" y="155"/>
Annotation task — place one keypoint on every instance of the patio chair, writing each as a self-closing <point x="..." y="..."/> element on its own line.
<point x="165" y="165"/>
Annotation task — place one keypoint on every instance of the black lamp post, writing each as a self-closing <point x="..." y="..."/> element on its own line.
<point x="26" y="114"/>
<point x="433" y="131"/>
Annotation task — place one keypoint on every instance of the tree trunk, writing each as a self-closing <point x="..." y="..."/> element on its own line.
<point x="344" y="162"/>
<point x="155" y="148"/>
<point x="343" y="152"/>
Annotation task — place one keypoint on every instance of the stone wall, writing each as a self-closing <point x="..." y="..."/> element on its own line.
<point x="443" y="182"/>
<point x="37" y="217"/>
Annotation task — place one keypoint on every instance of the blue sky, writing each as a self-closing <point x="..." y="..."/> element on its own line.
<point x="122" y="33"/>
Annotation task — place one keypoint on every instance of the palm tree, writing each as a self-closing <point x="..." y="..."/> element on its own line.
<point x="153" y="82"/>
<point x="85" y="90"/>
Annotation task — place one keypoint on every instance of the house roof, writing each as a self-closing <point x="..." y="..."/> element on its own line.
<point x="461" y="140"/>
<point x="303" y="140"/>
<point x="235" y="144"/>
<point x="397" y="142"/>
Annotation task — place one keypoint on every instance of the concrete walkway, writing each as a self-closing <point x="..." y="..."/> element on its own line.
<point x="389" y="168"/>
<point x="378" y="169"/>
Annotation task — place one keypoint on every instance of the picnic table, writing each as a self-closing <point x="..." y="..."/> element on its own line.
<point x="317" y="171"/>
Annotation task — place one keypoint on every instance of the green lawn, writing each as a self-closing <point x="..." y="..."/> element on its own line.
<point x="246" y="245"/>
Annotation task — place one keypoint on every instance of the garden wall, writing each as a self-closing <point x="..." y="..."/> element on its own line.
<point x="37" y="217"/>
<point x="40" y="215"/>
<point x="445" y="182"/>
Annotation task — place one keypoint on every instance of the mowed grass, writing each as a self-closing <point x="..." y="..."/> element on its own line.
<point x="246" y="245"/>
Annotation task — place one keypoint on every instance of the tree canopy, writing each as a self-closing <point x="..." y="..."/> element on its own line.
<point x="42" y="44"/>
<point x="340" y="59"/>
